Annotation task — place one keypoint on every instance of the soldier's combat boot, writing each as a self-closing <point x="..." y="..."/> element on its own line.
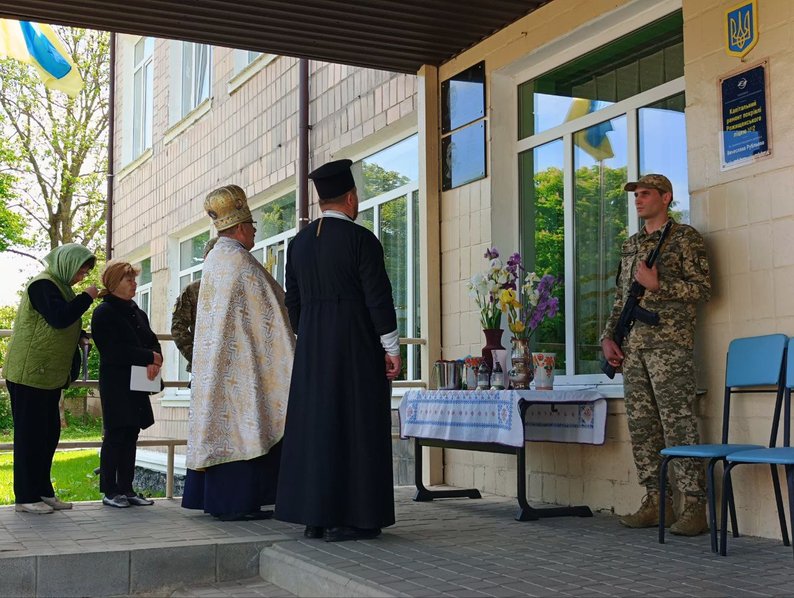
<point x="692" y="521"/>
<point x="648" y="513"/>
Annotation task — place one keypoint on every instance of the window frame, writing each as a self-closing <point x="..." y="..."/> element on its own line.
<point x="140" y="146"/>
<point x="565" y="131"/>
<point x="181" y="373"/>
<point x="144" y="289"/>
<point x="413" y="310"/>
<point x="282" y="237"/>
<point x="194" y="101"/>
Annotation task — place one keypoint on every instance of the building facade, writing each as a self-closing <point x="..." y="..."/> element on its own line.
<point x="579" y="97"/>
<point x="191" y="118"/>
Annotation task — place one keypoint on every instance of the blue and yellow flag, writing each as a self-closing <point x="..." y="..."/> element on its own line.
<point x="593" y="140"/>
<point x="38" y="45"/>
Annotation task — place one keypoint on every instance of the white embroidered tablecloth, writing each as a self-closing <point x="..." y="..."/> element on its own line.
<point x="494" y="416"/>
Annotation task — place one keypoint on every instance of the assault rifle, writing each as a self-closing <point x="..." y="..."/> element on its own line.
<point x="632" y="311"/>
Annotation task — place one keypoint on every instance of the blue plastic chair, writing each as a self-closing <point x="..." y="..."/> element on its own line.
<point x="772" y="456"/>
<point x="752" y="362"/>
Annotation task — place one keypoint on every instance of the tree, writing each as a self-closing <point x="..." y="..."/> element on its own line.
<point x="12" y="225"/>
<point x="59" y="144"/>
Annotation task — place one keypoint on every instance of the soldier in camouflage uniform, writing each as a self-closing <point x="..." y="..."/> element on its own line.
<point x="658" y="361"/>
<point x="183" y="321"/>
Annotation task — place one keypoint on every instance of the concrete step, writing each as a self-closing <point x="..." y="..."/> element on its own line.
<point x="283" y="565"/>
<point x="153" y="570"/>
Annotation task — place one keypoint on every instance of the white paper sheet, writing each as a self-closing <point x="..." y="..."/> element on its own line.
<point x="139" y="380"/>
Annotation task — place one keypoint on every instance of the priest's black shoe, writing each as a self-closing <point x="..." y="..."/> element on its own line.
<point x="313" y="532"/>
<point x="344" y="533"/>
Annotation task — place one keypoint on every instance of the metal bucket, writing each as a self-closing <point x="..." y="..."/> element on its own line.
<point x="446" y="375"/>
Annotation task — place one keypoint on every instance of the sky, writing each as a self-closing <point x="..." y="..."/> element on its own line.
<point x="15" y="270"/>
<point x="662" y="137"/>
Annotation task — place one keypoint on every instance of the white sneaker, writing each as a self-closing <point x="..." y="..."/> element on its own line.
<point x="119" y="501"/>
<point x="56" y="503"/>
<point x="39" y="508"/>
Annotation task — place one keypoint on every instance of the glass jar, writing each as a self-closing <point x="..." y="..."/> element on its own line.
<point x="483" y="376"/>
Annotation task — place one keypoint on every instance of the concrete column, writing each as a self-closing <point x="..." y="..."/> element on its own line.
<point x="429" y="241"/>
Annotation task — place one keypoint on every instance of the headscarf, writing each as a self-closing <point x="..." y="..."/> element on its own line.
<point x="62" y="263"/>
<point x="114" y="272"/>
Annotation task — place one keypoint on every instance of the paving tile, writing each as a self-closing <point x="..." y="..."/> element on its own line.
<point x="454" y="547"/>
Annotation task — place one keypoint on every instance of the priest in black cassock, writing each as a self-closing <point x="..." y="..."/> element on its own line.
<point x="336" y="467"/>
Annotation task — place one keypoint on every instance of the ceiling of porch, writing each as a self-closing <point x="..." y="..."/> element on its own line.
<point x="390" y="35"/>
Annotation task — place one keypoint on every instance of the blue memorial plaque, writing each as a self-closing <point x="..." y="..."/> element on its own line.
<point x="745" y="134"/>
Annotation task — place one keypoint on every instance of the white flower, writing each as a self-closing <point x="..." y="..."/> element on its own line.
<point x="532" y="296"/>
<point x="492" y="286"/>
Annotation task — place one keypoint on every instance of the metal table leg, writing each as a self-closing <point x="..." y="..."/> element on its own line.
<point x="424" y="494"/>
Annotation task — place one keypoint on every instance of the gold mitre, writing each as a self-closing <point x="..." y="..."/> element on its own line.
<point x="227" y="207"/>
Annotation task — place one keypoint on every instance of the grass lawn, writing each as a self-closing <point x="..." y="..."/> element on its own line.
<point x="72" y="470"/>
<point x="72" y="476"/>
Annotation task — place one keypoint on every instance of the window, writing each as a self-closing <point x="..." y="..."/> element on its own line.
<point x="143" y="74"/>
<point x="143" y="293"/>
<point x="196" y="65"/>
<point x="249" y="56"/>
<point x="275" y="227"/>
<point x="191" y="261"/>
<point x="388" y="190"/>
<point x="586" y="128"/>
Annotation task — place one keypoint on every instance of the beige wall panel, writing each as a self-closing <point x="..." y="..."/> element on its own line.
<point x="746" y="215"/>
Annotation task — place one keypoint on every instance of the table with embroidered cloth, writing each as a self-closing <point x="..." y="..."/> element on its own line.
<point x="501" y="422"/>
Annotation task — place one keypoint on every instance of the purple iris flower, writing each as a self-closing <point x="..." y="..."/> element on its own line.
<point x="491" y="253"/>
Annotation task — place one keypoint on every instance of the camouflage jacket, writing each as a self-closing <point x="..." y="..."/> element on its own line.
<point x="683" y="269"/>
<point x="183" y="322"/>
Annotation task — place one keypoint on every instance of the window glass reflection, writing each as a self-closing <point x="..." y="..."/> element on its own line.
<point x="463" y="156"/>
<point x="366" y="218"/>
<point x="662" y="146"/>
<point x="543" y="244"/>
<point x="389" y="169"/>
<point x="275" y="217"/>
<point x="601" y="225"/>
<point x="191" y="251"/>
<point x="463" y="98"/>
<point x="637" y="62"/>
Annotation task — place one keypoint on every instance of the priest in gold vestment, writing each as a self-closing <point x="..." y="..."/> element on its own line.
<point x="242" y="362"/>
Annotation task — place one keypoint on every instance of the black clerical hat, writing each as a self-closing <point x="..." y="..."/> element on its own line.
<point x="333" y="179"/>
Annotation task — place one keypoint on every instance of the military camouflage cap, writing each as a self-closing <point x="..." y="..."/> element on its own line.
<point x="651" y="181"/>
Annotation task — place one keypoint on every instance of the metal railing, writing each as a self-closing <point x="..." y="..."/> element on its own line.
<point x="172" y="443"/>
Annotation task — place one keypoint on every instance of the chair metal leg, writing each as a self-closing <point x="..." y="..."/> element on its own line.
<point x="726" y="485"/>
<point x="731" y="505"/>
<point x="781" y="513"/>
<point x="790" y="481"/>
<point x="662" y="496"/>
<point x="711" y="499"/>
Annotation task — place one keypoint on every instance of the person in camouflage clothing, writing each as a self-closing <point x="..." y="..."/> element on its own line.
<point x="658" y="361"/>
<point x="183" y="321"/>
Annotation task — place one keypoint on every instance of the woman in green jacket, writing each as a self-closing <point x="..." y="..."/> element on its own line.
<point x="38" y="366"/>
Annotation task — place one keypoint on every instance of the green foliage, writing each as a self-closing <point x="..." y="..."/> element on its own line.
<point x="7" y="315"/>
<point x="82" y="427"/>
<point x="378" y="180"/>
<point x="56" y="146"/>
<point x="600" y="223"/>
<point x="6" y="420"/>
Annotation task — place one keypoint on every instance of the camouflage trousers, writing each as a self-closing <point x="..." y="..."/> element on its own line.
<point x="659" y="389"/>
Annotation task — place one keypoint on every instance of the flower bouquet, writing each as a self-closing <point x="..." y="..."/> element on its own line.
<point x="485" y="287"/>
<point x="526" y="307"/>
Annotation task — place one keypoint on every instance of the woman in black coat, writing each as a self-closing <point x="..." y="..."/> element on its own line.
<point x="122" y="334"/>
